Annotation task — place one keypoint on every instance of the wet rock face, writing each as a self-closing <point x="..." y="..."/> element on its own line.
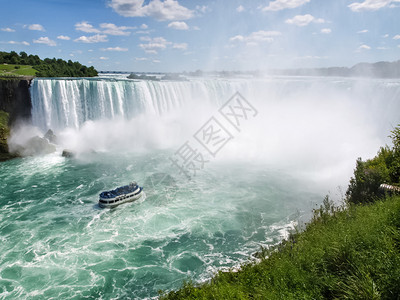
<point x="15" y="102"/>
<point x="15" y="99"/>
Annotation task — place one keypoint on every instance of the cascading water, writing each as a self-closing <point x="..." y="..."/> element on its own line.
<point x="71" y="102"/>
<point x="55" y="242"/>
<point x="63" y="103"/>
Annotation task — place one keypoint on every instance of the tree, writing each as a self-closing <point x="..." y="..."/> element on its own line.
<point x="48" y="67"/>
<point x="370" y="174"/>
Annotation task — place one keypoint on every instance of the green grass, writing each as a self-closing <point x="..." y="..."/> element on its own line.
<point x="16" y="70"/>
<point x="351" y="253"/>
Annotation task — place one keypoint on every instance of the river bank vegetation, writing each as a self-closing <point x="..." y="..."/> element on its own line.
<point x="22" y="64"/>
<point x="4" y="134"/>
<point x="350" y="251"/>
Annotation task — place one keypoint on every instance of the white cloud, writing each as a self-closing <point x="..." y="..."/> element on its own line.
<point x="363" y="31"/>
<point x="364" y="47"/>
<point x="196" y="28"/>
<point x="64" y="37"/>
<point x="141" y="58"/>
<point x="145" y="38"/>
<point x="382" y="48"/>
<point x="103" y="58"/>
<point x="18" y="43"/>
<point x="156" y="61"/>
<point x="112" y="29"/>
<point x="326" y="30"/>
<point x="181" y="46"/>
<point x="385" y="36"/>
<point x="106" y="28"/>
<point x="7" y="29"/>
<point x="256" y="37"/>
<point x="143" y="32"/>
<point x="180" y="25"/>
<point x="167" y="10"/>
<point x="118" y="49"/>
<point x="97" y="38"/>
<point x="240" y="8"/>
<point x="203" y="8"/>
<point x="154" y="44"/>
<point x="371" y="5"/>
<point x="284" y="4"/>
<point x="237" y="38"/>
<point x="45" y="40"/>
<point x="37" y="27"/>
<point x="304" y="20"/>
<point x="144" y="26"/>
<point x="396" y="37"/>
<point x="86" y="27"/>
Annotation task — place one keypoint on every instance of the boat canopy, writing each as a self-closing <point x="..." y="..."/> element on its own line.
<point x="123" y="190"/>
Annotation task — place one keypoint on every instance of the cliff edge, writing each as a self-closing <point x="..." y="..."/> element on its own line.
<point x="15" y="106"/>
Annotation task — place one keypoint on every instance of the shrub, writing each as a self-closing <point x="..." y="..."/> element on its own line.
<point x="370" y="174"/>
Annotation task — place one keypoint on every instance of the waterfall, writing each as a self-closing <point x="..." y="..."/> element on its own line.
<point x="301" y="102"/>
<point x="68" y="103"/>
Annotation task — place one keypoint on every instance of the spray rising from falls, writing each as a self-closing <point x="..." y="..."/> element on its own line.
<point x="303" y="123"/>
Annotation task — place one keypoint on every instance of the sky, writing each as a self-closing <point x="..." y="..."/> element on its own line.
<point x="188" y="35"/>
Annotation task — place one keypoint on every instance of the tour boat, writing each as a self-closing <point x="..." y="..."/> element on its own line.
<point x="123" y="194"/>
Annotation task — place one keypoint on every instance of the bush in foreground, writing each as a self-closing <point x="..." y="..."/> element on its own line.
<point x="370" y="174"/>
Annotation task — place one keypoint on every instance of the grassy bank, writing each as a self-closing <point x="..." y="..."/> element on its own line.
<point x="16" y="70"/>
<point x="349" y="253"/>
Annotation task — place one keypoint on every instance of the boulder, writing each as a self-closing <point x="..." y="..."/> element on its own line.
<point x="50" y="136"/>
<point x="35" y="146"/>
<point x="67" y="153"/>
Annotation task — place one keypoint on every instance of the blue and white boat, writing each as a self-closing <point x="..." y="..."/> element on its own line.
<point x="120" y="195"/>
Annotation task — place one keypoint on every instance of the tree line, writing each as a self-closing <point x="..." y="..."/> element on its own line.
<point x="48" y="67"/>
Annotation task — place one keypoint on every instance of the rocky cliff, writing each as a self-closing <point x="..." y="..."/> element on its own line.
<point x="15" y="106"/>
<point x="15" y="98"/>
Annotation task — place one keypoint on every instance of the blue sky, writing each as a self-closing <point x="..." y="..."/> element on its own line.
<point x="170" y="35"/>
